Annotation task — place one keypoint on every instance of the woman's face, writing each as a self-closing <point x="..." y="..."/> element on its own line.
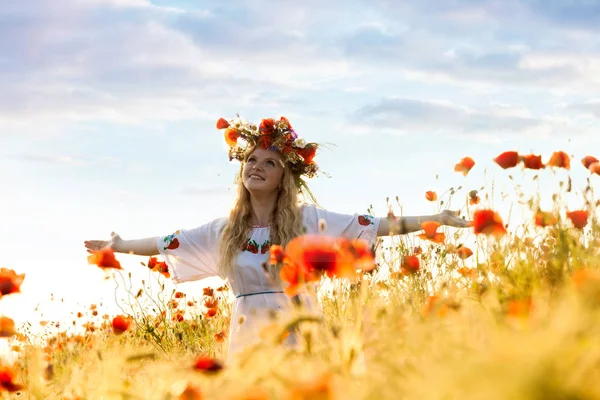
<point x="263" y="171"/>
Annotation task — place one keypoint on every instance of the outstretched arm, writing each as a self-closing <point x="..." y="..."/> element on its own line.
<point x="140" y="247"/>
<point x="404" y="225"/>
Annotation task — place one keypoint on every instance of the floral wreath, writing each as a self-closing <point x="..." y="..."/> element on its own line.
<point x="271" y="134"/>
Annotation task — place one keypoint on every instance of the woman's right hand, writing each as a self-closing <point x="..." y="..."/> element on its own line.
<point x="97" y="245"/>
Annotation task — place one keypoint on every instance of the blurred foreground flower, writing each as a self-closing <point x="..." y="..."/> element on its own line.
<point x="120" y="324"/>
<point x="10" y="282"/>
<point x="7" y="380"/>
<point x="488" y="222"/>
<point x="7" y="327"/>
<point x="104" y="258"/>
<point x="430" y="232"/>
<point x="464" y="166"/>
<point x="307" y="258"/>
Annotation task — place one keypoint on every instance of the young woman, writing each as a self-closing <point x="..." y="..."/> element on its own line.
<point x="274" y="163"/>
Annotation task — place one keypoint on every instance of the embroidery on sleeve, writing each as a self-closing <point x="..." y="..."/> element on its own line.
<point x="365" y="220"/>
<point x="171" y="242"/>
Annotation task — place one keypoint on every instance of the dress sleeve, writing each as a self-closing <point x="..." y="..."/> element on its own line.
<point x="192" y="254"/>
<point x="349" y="226"/>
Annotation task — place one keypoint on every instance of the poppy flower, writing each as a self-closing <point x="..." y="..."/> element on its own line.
<point x="220" y="336"/>
<point x="532" y="161"/>
<point x="7" y="380"/>
<point x="120" y="324"/>
<point x="467" y="272"/>
<point x="319" y="254"/>
<point x="508" y="159"/>
<point x="594" y="168"/>
<point x="543" y="219"/>
<point x="465" y="165"/>
<point x="211" y="312"/>
<point x="588" y="160"/>
<point x="205" y="363"/>
<point x="410" y="264"/>
<point x="430" y="232"/>
<point x="104" y="258"/>
<point x="309" y="257"/>
<point x="276" y="254"/>
<point x="474" y="198"/>
<point x="231" y="136"/>
<point x="488" y="222"/>
<point x="7" y="327"/>
<point x="560" y="159"/>
<point x="430" y="195"/>
<point x="579" y="218"/>
<point x="10" y="282"/>
<point x="464" y="252"/>
<point x="222" y="123"/>
<point x="267" y="126"/>
<point x="307" y="153"/>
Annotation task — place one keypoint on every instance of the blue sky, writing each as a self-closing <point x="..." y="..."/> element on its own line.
<point x="108" y="110"/>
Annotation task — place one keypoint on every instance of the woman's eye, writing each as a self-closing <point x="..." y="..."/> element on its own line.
<point x="271" y="163"/>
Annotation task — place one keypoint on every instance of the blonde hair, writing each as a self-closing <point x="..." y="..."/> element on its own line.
<point x="286" y="221"/>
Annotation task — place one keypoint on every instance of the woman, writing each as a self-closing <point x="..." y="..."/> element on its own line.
<point x="274" y="162"/>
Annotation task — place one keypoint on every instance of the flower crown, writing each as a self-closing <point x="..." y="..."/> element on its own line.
<point x="271" y="134"/>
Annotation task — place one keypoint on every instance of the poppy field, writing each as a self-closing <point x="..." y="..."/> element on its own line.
<point x="513" y="314"/>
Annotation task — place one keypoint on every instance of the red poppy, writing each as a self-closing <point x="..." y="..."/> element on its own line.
<point x="588" y="160"/>
<point x="7" y="327"/>
<point x="319" y="254"/>
<point x="276" y="254"/>
<point x="430" y="195"/>
<point x="207" y="364"/>
<point x="10" y="282"/>
<point x="532" y="161"/>
<point x="308" y="153"/>
<point x="543" y="219"/>
<point x="508" y="159"/>
<point x="220" y="336"/>
<point x="211" y="312"/>
<point x="267" y="126"/>
<point x="464" y="252"/>
<point x="473" y="198"/>
<point x="560" y="159"/>
<point x="294" y="278"/>
<point x="7" y="380"/>
<point x="594" y="168"/>
<point x="104" y="258"/>
<point x="120" y="324"/>
<point x="430" y="232"/>
<point x="464" y="166"/>
<point x="265" y="141"/>
<point x="309" y="257"/>
<point x="579" y="218"/>
<point x="488" y="222"/>
<point x="410" y="264"/>
<point x="231" y="136"/>
<point x="222" y="123"/>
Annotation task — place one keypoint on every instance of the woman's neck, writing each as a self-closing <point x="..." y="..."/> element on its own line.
<point x="262" y="210"/>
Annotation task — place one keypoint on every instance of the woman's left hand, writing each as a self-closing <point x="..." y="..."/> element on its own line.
<point x="451" y="218"/>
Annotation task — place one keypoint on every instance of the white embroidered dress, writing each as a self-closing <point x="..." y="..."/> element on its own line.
<point x="192" y="254"/>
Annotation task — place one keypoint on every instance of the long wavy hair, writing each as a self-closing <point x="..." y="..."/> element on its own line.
<point x="286" y="221"/>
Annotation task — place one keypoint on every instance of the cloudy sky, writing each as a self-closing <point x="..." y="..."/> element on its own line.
<point x="108" y="111"/>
